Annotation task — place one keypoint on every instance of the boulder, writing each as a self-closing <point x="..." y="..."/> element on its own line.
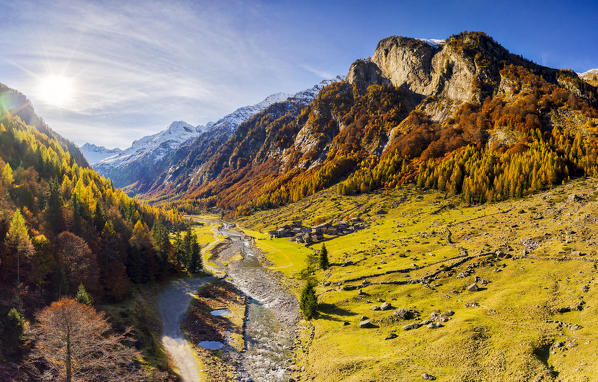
<point x="385" y="306"/>
<point x="434" y="325"/>
<point x="473" y="287"/>
<point x="390" y="336"/>
<point x="365" y="324"/>
<point x="414" y="325"/>
<point x="428" y="377"/>
<point x="403" y="314"/>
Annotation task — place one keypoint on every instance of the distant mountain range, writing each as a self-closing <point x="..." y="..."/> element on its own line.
<point x="138" y="167"/>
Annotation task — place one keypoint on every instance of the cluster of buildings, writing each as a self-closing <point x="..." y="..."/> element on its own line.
<point x="314" y="234"/>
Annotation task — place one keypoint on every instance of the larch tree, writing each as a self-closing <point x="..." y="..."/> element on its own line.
<point x="19" y="248"/>
<point x="73" y="342"/>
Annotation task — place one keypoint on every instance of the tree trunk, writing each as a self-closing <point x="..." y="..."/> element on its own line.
<point x="68" y="355"/>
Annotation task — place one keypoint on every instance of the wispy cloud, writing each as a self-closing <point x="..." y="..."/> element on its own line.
<point x="320" y="73"/>
<point x="137" y="65"/>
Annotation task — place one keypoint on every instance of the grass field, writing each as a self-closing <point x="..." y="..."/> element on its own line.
<point x="509" y="330"/>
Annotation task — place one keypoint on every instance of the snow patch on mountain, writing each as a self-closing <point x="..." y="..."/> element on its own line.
<point x="94" y="153"/>
<point x="242" y="114"/>
<point x="434" y="42"/>
<point x="306" y="96"/>
<point x="591" y="71"/>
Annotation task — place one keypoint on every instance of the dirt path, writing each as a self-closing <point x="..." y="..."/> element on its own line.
<point x="172" y="304"/>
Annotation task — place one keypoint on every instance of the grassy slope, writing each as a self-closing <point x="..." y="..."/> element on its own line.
<point x="505" y="338"/>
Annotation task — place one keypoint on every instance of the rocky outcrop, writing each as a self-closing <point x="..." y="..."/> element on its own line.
<point x="364" y="73"/>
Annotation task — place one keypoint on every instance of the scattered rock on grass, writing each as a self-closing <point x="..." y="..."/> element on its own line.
<point x="403" y="314"/>
<point x="473" y="287"/>
<point x="414" y="325"/>
<point x="434" y="325"/>
<point x="390" y="336"/>
<point x="365" y="324"/>
<point x="428" y="377"/>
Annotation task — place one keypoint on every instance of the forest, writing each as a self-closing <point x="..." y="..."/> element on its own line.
<point x="66" y="232"/>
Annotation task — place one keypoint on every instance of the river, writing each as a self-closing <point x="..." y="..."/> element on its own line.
<point x="269" y="324"/>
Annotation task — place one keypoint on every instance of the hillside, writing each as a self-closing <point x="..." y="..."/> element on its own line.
<point x="193" y="165"/>
<point x="530" y="316"/>
<point x="64" y="227"/>
<point x="149" y="159"/>
<point x="462" y="115"/>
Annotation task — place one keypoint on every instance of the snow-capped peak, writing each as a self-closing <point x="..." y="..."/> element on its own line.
<point x="156" y="145"/>
<point x="94" y="153"/>
<point x="308" y="95"/>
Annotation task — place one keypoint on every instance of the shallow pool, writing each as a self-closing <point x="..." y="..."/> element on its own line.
<point x="211" y="345"/>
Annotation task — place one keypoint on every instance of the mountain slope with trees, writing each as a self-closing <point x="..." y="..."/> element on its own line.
<point x="65" y="230"/>
<point x="462" y="115"/>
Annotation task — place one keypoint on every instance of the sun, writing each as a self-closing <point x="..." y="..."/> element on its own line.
<point x="56" y="90"/>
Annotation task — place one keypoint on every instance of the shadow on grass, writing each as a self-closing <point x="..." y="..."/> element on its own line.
<point x="327" y="310"/>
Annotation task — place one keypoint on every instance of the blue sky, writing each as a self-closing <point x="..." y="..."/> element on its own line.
<point x="136" y="66"/>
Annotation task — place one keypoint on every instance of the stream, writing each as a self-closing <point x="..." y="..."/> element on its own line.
<point x="269" y="323"/>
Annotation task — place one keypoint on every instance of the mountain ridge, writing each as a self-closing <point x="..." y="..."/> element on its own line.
<point x="414" y="105"/>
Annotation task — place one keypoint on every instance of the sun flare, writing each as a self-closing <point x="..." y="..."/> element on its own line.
<point x="57" y="90"/>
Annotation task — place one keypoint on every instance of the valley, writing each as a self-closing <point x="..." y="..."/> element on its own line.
<point x="430" y="215"/>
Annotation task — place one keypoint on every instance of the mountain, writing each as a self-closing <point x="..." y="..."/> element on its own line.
<point x="190" y="166"/>
<point x="462" y="115"/>
<point x="138" y="166"/>
<point x="94" y="153"/>
<point x="141" y="162"/>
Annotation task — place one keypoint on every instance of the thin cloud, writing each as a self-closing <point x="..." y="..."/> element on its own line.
<point x="179" y="60"/>
<point x="320" y="73"/>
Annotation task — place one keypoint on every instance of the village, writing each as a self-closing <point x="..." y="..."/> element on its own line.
<point x="308" y="235"/>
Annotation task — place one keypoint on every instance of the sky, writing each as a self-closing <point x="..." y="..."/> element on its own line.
<point x="110" y="72"/>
